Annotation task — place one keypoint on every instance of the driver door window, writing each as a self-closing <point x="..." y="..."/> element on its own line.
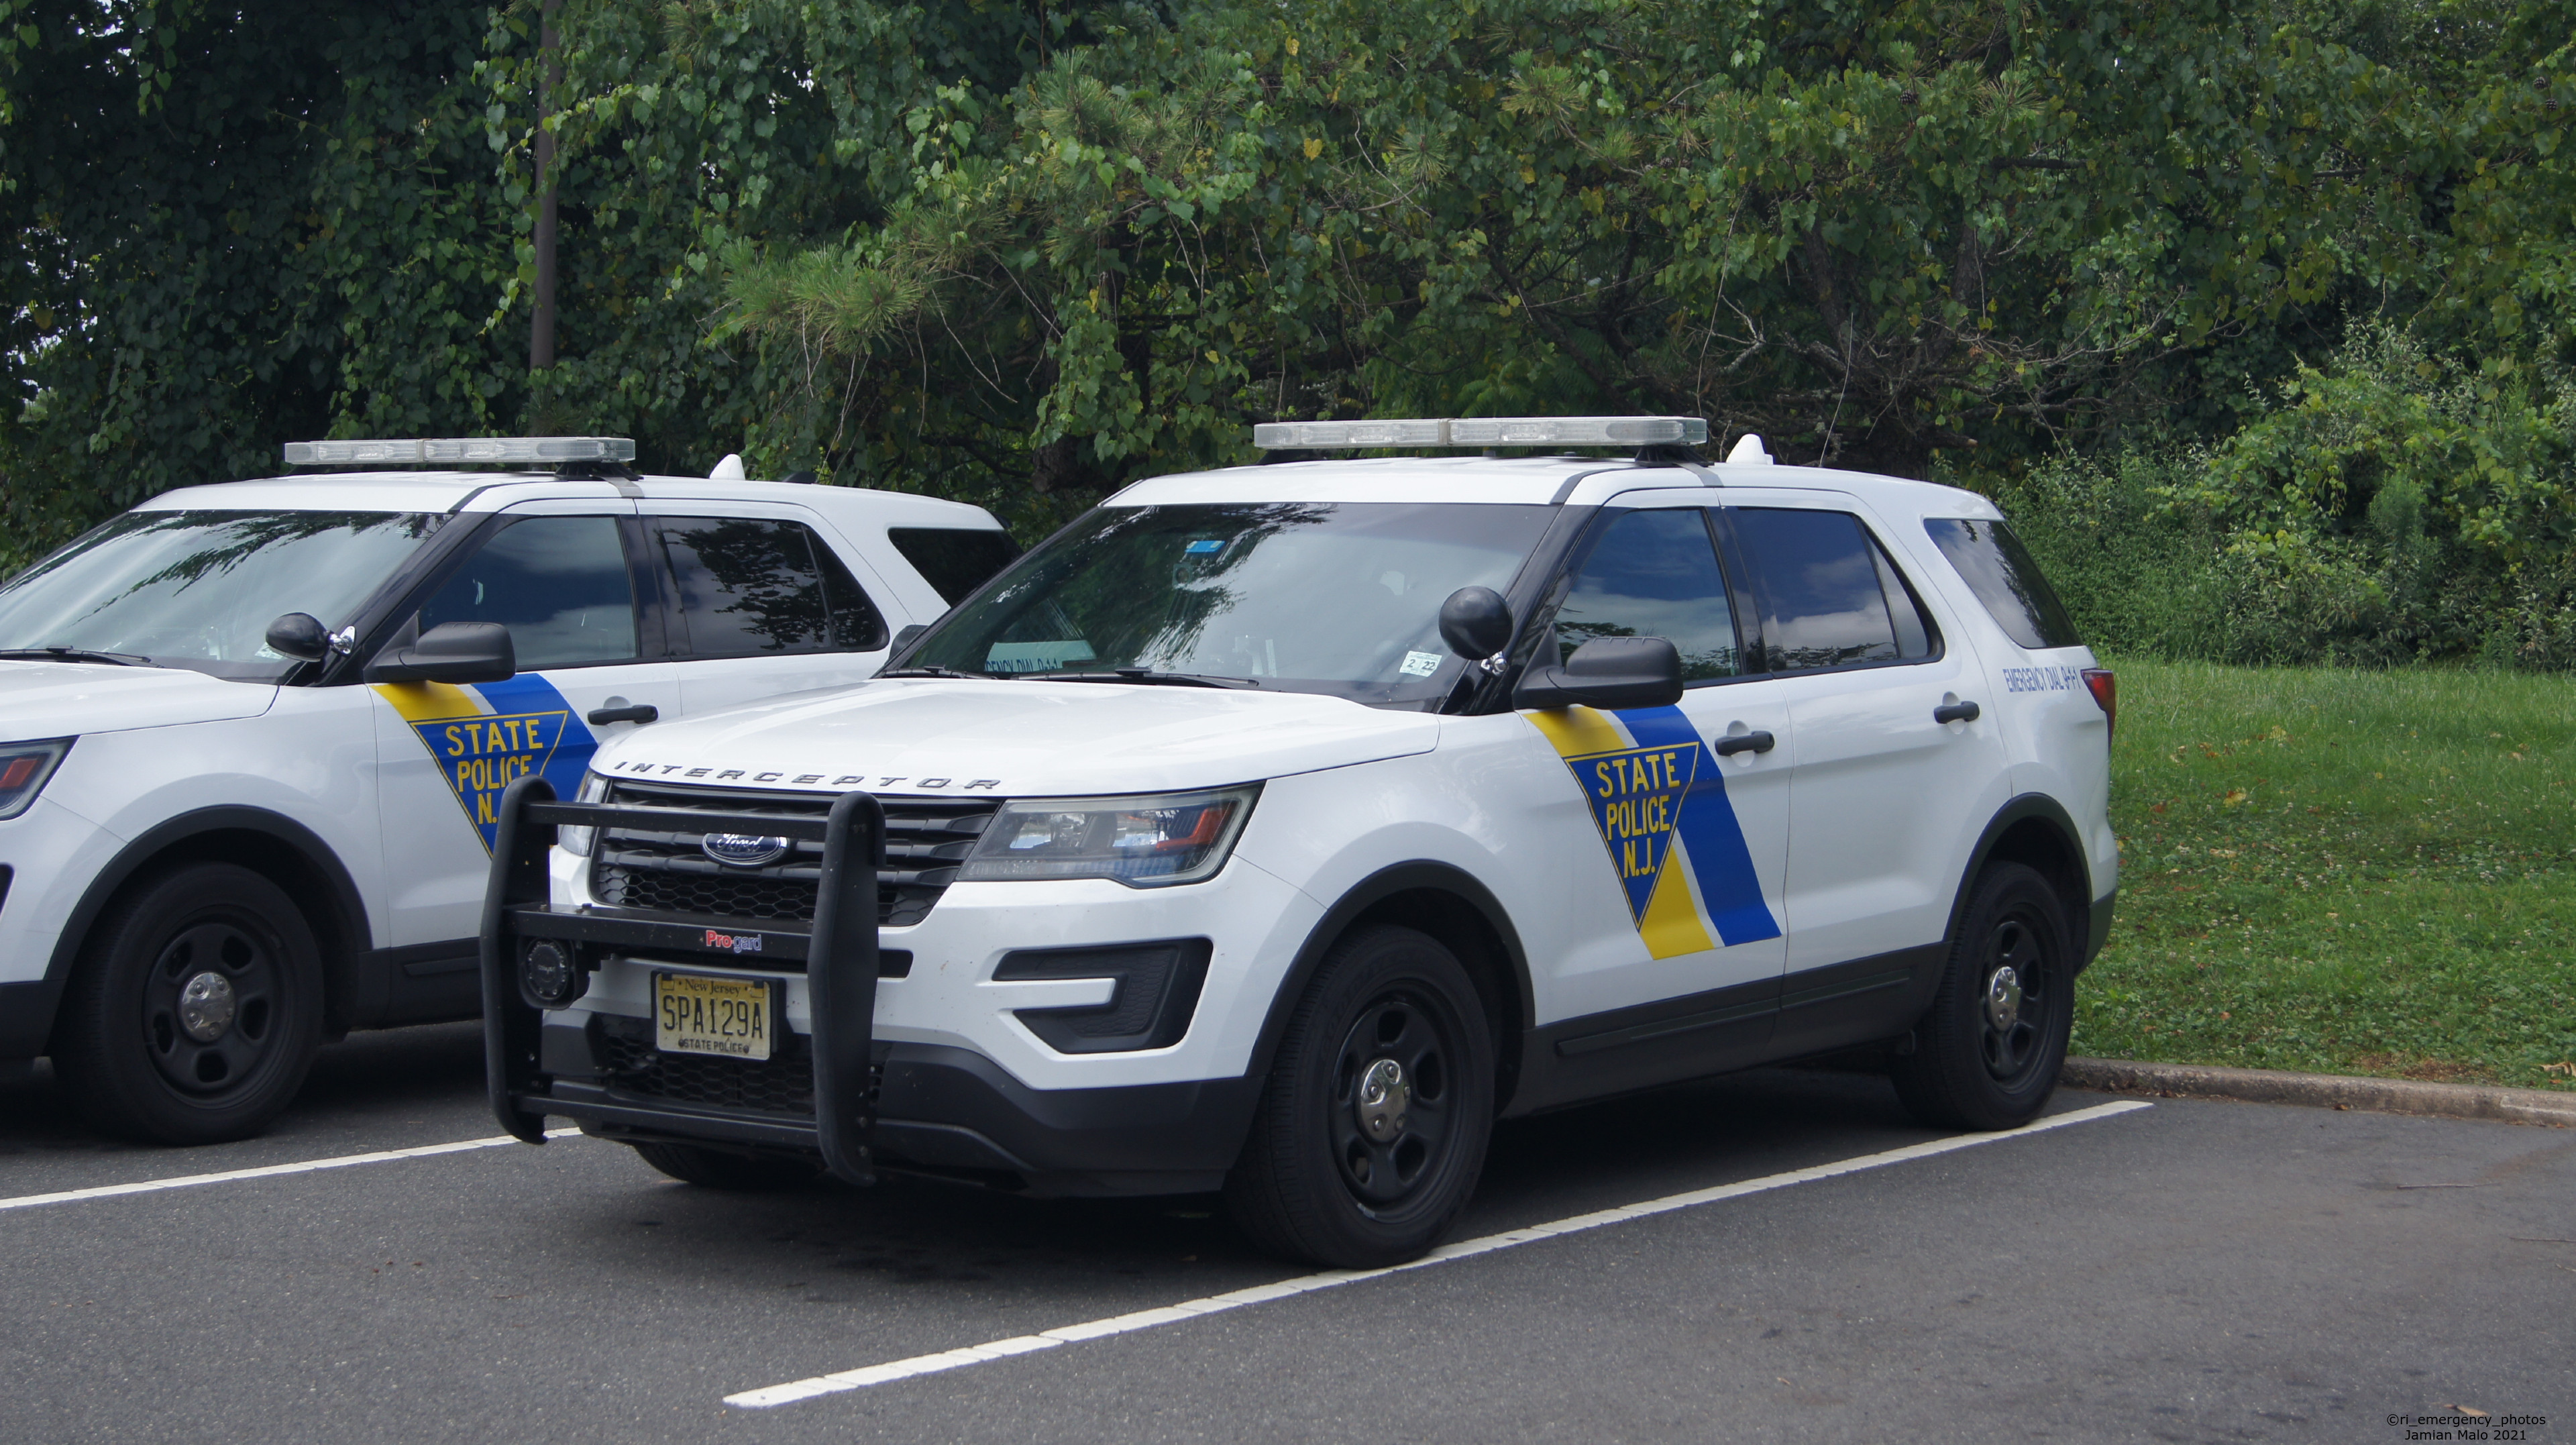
<point x="1654" y="574"/>
<point x="560" y="584"/>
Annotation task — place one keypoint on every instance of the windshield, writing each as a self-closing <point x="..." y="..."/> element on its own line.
<point x="198" y="589"/>
<point x="1341" y="598"/>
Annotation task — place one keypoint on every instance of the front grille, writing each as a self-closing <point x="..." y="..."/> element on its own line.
<point x="926" y="838"/>
<point x="780" y="1085"/>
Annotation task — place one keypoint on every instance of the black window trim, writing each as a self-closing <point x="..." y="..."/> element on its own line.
<point x="1735" y="565"/>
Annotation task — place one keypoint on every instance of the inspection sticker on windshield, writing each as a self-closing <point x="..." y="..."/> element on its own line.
<point x="1204" y="547"/>
<point x="1420" y="664"/>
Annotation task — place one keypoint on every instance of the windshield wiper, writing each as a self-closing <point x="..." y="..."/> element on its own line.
<point x="1150" y="677"/>
<point x="932" y="672"/>
<point x="74" y="654"/>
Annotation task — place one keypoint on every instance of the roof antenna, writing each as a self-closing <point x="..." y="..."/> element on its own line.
<point x="727" y="470"/>
<point x="1749" y="453"/>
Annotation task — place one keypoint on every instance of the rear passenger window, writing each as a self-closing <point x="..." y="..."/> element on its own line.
<point x="1995" y="565"/>
<point x="1654" y="574"/>
<point x="749" y="585"/>
<point x="953" y="560"/>
<point x="1828" y="595"/>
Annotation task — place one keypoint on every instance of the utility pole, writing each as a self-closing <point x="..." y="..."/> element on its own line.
<point x="541" y="331"/>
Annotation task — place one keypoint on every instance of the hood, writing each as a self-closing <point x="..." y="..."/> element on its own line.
<point x="64" y="699"/>
<point x="1016" y="739"/>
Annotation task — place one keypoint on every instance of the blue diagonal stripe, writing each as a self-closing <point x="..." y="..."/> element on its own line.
<point x="1720" y="861"/>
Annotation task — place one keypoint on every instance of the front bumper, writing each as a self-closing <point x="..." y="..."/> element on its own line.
<point x="939" y="1110"/>
<point x="937" y="1073"/>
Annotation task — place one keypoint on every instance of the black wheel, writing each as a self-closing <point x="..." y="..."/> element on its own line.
<point x="1372" y="1127"/>
<point x="1986" y="1054"/>
<point x="195" y="1011"/>
<point x="717" y="1169"/>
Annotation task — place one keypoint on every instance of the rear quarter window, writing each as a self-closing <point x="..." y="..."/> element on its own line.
<point x="2000" y="570"/>
<point x="953" y="560"/>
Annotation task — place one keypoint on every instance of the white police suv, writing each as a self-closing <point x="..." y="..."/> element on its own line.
<point x="1279" y="828"/>
<point x="252" y="735"/>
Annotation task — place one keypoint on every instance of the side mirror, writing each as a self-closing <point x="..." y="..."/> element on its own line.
<point x="450" y="652"/>
<point x="904" y="638"/>
<point x="1476" y="623"/>
<point x="299" y="635"/>
<point x="1610" y="672"/>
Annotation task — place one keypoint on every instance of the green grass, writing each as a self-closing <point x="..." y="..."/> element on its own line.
<point x="2342" y="871"/>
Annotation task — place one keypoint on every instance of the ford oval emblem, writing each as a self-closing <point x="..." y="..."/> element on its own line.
<point x="742" y="850"/>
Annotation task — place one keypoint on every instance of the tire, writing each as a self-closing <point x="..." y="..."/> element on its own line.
<point x="717" y="1169"/>
<point x="1340" y="1169"/>
<point x="195" y="1011"/>
<point x="1986" y="1054"/>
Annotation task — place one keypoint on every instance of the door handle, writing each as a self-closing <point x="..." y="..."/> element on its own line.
<point x="642" y="712"/>
<point x="1756" y="742"/>
<point x="1950" y="712"/>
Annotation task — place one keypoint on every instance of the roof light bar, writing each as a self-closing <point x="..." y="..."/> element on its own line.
<point x="433" y="451"/>
<point x="1483" y="431"/>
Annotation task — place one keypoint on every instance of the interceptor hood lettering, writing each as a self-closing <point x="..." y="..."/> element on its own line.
<point x="1016" y="739"/>
<point x="65" y="699"/>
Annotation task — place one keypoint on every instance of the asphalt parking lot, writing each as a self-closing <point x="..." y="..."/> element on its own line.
<point x="2183" y="1271"/>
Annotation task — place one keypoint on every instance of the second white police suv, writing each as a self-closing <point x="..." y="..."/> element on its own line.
<point x="1278" y="829"/>
<point x="252" y="734"/>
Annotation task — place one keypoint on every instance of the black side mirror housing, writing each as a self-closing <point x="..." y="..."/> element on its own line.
<point x="1608" y="672"/>
<point x="455" y="652"/>
<point x="904" y="638"/>
<point x="1476" y="623"/>
<point x="299" y="635"/>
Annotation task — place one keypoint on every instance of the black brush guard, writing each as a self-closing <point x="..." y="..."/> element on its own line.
<point x="839" y="950"/>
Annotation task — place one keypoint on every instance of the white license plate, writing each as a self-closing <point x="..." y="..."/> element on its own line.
<point x="695" y="1014"/>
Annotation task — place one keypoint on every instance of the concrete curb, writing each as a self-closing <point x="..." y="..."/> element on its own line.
<point x="2324" y="1091"/>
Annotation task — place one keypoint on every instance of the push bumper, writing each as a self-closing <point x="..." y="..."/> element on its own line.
<point x="839" y="951"/>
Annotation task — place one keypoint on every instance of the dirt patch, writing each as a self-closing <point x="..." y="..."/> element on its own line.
<point x="2425" y="1069"/>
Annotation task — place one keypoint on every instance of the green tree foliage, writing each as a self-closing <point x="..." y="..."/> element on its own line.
<point x="233" y="231"/>
<point x="1021" y="253"/>
<point x="2391" y="505"/>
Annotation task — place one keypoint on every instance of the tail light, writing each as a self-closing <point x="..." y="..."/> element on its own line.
<point x="2106" y="691"/>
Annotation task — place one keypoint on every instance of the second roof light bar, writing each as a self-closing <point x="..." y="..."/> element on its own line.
<point x="1483" y="431"/>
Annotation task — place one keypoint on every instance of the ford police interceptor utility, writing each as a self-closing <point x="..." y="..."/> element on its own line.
<point x="1277" y="829"/>
<point x="252" y="735"/>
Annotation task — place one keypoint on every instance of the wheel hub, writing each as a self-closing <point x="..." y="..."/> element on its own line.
<point x="2003" y="999"/>
<point x="1381" y="1100"/>
<point x="206" y="1006"/>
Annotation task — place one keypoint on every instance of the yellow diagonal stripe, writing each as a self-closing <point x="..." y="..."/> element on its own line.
<point x="1575" y="731"/>
<point x="421" y="702"/>
<point x="1672" y="926"/>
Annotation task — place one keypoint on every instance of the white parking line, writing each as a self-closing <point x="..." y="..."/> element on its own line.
<point x="806" y="1389"/>
<point x="265" y="1171"/>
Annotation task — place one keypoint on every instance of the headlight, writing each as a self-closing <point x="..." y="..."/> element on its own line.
<point x="24" y="767"/>
<point x="577" y="841"/>
<point x="1143" y="842"/>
